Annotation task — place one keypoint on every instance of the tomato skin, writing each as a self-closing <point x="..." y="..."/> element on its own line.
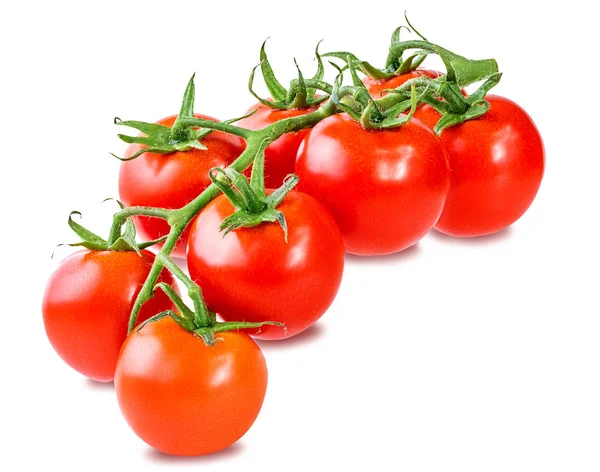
<point x="280" y="155"/>
<point x="386" y="189"/>
<point x="185" y="398"/>
<point x="87" y="303"/>
<point x="252" y="274"/>
<point x="173" y="180"/>
<point x="497" y="164"/>
<point x="376" y="87"/>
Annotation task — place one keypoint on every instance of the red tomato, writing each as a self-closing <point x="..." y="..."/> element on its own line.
<point x="173" y="180"/>
<point x="497" y="164"/>
<point x="280" y="156"/>
<point x="185" y="398"/>
<point x="385" y="189"/>
<point x="252" y="274"/>
<point x="376" y="87"/>
<point x="87" y="304"/>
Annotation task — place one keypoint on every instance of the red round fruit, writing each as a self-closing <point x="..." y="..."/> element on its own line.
<point x="184" y="397"/>
<point x="386" y="189"/>
<point x="87" y="304"/>
<point x="497" y="164"/>
<point x="253" y="274"/>
<point x="173" y="180"/>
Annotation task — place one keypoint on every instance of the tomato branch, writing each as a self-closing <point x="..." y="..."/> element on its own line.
<point x="181" y="218"/>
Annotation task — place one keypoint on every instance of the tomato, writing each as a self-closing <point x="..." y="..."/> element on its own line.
<point x="386" y="189"/>
<point x="376" y="87"/>
<point x="253" y="274"/>
<point x="497" y="164"/>
<point x="183" y="397"/>
<point x="173" y="180"/>
<point x="87" y="303"/>
<point x="280" y="156"/>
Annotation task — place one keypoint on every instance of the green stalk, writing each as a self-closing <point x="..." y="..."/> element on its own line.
<point x="180" y="219"/>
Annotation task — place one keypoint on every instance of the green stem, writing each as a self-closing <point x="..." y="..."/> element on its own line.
<point x="120" y="218"/>
<point x="176" y="299"/>
<point x="455" y="100"/>
<point x="179" y="219"/>
<point x="397" y="49"/>
<point x="216" y="125"/>
<point x="202" y="318"/>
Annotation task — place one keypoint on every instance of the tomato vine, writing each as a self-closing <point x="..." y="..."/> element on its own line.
<point x="443" y="93"/>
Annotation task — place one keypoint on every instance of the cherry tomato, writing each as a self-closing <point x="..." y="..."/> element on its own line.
<point x="386" y="189"/>
<point x="253" y="274"/>
<point x="183" y="397"/>
<point x="280" y="156"/>
<point x="87" y="303"/>
<point x="497" y="164"/>
<point x="376" y="87"/>
<point x="173" y="180"/>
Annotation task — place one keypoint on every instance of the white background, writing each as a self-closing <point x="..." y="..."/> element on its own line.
<point x="467" y="355"/>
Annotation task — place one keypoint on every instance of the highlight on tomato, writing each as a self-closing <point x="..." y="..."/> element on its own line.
<point x="168" y="167"/>
<point x="88" y="299"/>
<point x="279" y="259"/>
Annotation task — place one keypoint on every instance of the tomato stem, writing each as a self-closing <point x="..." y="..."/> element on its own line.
<point x="181" y="218"/>
<point x="201" y="315"/>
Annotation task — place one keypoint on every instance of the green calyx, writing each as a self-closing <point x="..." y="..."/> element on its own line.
<point x="161" y="139"/>
<point x="362" y="107"/>
<point x="299" y="94"/>
<point x="122" y="241"/>
<point x="251" y="204"/>
<point x="182" y="136"/>
<point x="252" y="207"/>
<point x="200" y="321"/>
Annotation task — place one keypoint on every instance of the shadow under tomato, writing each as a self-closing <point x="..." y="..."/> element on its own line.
<point x="308" y="336"/>
<point x="406" y="254"/>
<point x="485" y="240"/>
<point x="154" y="455"/>
<point x="99" y="386"/>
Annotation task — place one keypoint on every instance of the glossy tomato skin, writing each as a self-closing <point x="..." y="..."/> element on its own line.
<point x="376" y="87"/>
<point x="87" y="303"/>
<point x="173" y="180"/>
<point x="280" y="155"/>
<point x="185" y="398"/>
<point x="252" y="274"/>
<point x="497" y="164"/>
<point x="385" y="189"/>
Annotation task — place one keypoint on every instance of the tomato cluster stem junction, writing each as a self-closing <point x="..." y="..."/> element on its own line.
<point x="179" y="219"/>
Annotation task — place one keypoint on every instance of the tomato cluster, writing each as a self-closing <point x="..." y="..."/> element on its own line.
<point x="378" y="165"/>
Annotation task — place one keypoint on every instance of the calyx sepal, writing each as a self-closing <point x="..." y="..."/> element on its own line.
<point x="125" y="241"/>
<point x="251" y="208"/>
<point x="299" y="95"/>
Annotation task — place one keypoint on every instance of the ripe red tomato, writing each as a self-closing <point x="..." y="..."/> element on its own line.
<point x="386" y="189"/>
<point x="253" y="274"/>
<point x="87" y="303"/>
<point x="173" y="180"/>
<point x="183" y="397"/>
<point x="376" y="87"/>
<point x="497" y="164"/>
<point x="280" y="156"/>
